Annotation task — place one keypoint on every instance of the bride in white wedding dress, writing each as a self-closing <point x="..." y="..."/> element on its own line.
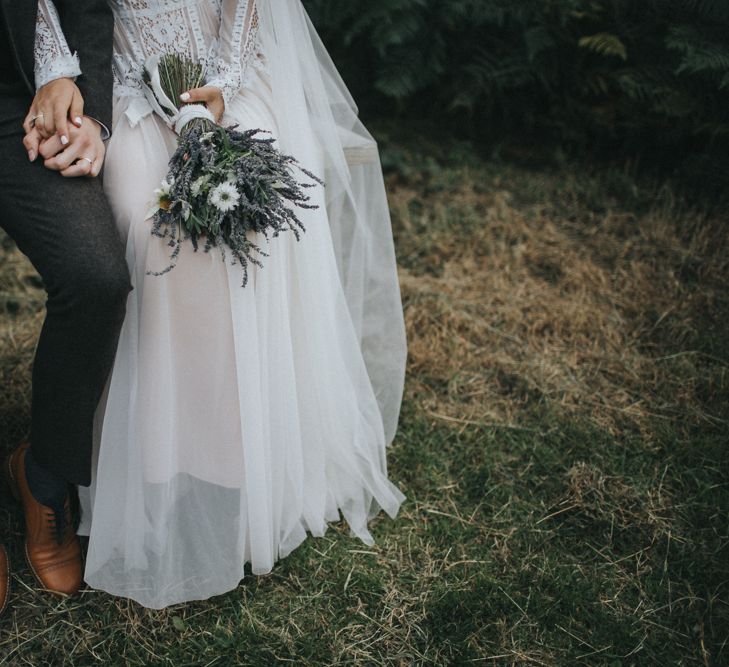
<point x="237" y="419"/>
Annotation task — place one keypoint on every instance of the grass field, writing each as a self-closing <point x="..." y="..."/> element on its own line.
<point x="563" y="448"/>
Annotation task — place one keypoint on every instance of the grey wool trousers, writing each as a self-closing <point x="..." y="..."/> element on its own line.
<point x="65" y="227"/>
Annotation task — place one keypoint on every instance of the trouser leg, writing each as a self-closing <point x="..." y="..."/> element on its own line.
<point x="65" y="227"/>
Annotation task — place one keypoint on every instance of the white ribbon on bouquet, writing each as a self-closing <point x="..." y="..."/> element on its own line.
<point x="156" y="101"/>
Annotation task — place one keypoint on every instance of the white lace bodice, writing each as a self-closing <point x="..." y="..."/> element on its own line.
<point x="219" y="33"/>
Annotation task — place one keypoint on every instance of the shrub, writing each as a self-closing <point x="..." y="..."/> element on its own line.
<point x="648" y="76"/>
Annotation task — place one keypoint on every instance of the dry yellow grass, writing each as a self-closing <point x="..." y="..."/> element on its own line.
<point x="549" y="301"/>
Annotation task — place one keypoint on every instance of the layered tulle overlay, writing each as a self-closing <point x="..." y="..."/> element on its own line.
<point x="237" y="419"/>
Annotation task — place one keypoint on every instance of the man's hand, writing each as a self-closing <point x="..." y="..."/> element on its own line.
<point x="53" y="105"/>
<point x="211" y="96"/>
<point x="83" y="155"/>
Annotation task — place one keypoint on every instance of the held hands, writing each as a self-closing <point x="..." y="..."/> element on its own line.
<point x="81" y="155"/>
<point x="211" y="96"/>
<point x="73" y="148"/>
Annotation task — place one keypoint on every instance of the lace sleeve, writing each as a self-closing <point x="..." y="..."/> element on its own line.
<point x="236" y="50"/>
<point x="53" y="58"/>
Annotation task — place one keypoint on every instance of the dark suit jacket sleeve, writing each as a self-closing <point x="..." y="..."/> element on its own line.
<point x="89" y="29"/>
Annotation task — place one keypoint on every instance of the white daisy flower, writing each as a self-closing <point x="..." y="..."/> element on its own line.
<point x="224" y="197"/>
<point x="164" y="200"/>
<point x="165" y="188"/>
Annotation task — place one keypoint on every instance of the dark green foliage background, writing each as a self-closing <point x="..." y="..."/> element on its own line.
<point x="648" y="78"/>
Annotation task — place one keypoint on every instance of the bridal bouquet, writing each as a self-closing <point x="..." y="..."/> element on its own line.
<point x="222" y="183"/>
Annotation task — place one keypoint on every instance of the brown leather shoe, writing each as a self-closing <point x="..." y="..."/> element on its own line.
<point x="53" y="551"/>
<point x="4" y="579"/>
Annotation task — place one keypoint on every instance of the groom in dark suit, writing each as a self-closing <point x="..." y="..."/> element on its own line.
<point x="64" y="225"/>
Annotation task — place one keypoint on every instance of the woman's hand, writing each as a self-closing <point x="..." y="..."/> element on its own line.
<point x="82" y="155"/>
<point x="211" y="96"/>
<point x="54" y="103"/>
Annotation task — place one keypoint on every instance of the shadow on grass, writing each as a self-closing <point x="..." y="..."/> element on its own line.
<point x="565" y="544"/>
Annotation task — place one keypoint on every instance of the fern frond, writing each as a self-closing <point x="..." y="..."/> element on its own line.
<point x="700" y="55"/>
<point x="605" y="44"/>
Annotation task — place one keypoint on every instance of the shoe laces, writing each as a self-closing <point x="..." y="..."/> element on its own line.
<point x="58" y="519"/>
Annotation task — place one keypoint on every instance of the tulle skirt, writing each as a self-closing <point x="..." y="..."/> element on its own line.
<point x="235" y="419"/>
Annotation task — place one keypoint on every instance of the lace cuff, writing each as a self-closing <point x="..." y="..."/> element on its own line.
<point x="53" y="58"/>
<point x="231" y="79"/>
<point x="226" y="76"/>
<point x="60" y="68"/>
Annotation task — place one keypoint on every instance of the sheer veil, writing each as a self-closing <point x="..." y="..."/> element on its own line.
<point x="315" y="112"/>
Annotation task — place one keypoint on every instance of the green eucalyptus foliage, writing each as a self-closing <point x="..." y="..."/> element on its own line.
<point x="643" y="75"/>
